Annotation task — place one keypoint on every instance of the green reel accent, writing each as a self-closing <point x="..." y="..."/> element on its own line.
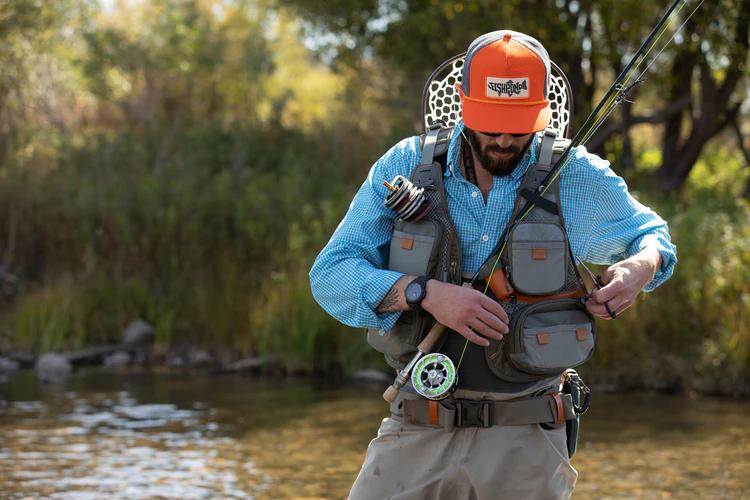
<point x="434" y="376"/>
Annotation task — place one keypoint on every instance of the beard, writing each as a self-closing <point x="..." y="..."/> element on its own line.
<point x="488" y="155"/>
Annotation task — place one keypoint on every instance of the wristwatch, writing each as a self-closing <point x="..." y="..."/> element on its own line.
<point x="416" y="291"/>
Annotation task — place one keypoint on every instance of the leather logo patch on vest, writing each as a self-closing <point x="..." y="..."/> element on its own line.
<point x="581" y="333"/>
<point x="542" y="338"/>
<point x="407" y="243"/>
<point x="539" y="253"/>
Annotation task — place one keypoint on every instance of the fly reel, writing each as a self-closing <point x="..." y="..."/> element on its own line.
<point x="406" y="199"/>
<point x="434" y="376"/>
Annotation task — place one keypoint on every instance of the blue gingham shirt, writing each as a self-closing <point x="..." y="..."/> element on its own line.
<point x="605" y="224"/>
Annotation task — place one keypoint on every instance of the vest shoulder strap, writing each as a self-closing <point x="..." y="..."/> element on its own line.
<point x="549" y="151"/>
<point x="429" y="171"/>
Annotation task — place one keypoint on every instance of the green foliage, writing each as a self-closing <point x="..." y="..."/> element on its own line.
<point x="50" y="319"/>
<point x="694" y="331"/>
<point x="184" y="162"/>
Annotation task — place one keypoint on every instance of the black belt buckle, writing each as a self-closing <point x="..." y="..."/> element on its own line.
<point x="474" y="413"/>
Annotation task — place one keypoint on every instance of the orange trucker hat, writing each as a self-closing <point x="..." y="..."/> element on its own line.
<point x="504" y="85"/>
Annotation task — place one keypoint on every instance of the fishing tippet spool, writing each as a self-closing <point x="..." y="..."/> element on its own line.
<point x="434" y="376"/>
<point x="406" y="199"/>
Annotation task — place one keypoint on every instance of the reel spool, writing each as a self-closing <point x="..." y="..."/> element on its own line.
<point x="434" y="376"/>
<point x="406" y="199"/>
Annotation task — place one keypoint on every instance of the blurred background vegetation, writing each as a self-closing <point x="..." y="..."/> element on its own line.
<point x="183" y="161"/>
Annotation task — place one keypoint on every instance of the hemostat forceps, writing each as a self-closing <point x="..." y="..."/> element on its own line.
<point x="598" y="283"/>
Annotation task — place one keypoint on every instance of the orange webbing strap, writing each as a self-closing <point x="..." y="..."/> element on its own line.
<point x="432" y="412"/>
<point x="560" y="413"/>
<point x="532" y="299"/>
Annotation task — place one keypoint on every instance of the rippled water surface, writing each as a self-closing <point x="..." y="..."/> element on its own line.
<point x="162" y="436"/>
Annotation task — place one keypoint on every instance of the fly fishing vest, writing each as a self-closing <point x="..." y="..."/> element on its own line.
<point x="549" y="327"/>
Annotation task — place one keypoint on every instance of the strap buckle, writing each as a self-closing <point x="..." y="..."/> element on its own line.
<point x="470" y="413"/>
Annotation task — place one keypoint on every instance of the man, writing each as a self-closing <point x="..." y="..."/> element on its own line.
<point x="351" y="281"/>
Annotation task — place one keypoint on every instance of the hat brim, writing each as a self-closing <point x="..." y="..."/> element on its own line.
<point x="484" y="116"/>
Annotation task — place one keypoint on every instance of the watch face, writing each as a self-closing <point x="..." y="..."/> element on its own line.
<point x="413" y="291"/>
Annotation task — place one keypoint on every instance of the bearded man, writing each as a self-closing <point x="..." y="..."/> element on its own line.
<point x="429" y="449"/>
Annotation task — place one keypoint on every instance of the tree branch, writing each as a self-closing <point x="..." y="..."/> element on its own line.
<point x="745" y="152"/>
<point x="611" y="128"/>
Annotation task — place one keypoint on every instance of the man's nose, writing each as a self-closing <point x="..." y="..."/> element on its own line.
<point x="504" y="140"/>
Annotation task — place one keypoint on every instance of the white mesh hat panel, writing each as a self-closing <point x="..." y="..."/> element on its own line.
<point x="441" y="101"/>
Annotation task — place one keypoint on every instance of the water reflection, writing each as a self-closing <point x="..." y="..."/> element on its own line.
<point x="146" y="436"/>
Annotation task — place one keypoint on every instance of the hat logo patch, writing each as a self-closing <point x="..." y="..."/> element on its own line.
<point x="510" y="88"/>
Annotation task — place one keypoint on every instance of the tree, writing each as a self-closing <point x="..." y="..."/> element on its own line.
<point x="701" y="95"/>
<point x="592" y="40"/>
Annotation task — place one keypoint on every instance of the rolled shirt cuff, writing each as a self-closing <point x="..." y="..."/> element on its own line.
<point x="371" y="294"/>
<point x="668" y="257"/>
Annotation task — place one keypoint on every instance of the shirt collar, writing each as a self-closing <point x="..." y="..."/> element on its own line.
<point x="454" y="150"/>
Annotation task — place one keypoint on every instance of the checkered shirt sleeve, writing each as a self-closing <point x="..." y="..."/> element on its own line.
<point x="604" y="222"/>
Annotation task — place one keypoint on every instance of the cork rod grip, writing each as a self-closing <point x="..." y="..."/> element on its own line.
<point x="428" y="343"/>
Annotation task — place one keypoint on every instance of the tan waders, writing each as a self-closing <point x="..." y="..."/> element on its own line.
<point x="408" y="461"/>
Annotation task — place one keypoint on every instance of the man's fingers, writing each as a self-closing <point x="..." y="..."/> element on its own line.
<point x="492" y="321"/>
<point x="485" y="330"/>
<point x="471" y="336"/>
<point x="608" y="292"/>
<point x="494" y="308"/>
<point x="607" y="275"/>
<point x="616" y="305"/>
<point x="598" y="310"/>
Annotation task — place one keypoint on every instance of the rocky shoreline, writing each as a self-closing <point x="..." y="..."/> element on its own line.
<point x="137" y="350"/>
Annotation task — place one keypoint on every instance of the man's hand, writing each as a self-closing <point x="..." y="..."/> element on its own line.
<point x="467" y="311"/>
<point x="623" y="282"/>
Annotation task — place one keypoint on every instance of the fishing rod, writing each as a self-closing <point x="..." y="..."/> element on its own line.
<point x="616" y="93"/>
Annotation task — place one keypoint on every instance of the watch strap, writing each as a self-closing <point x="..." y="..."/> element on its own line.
<point x="422" y="281"/>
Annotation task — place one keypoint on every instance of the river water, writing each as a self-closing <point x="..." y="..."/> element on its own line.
<point x="179" y="436"/>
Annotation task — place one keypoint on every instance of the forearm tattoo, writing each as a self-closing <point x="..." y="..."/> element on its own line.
<point x="389" y="302"/>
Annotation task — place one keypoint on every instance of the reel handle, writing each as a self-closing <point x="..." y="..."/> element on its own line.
<point x="423" y="348"/>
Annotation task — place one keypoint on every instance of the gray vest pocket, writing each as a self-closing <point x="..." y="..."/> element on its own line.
<point x="548" y="337"/>
<point x="415" y="250"/>
<point x="538" y="258"/>
<point x="414" y="247"/>
<point x="554" y="348"/>
<point x="545" y="339"/>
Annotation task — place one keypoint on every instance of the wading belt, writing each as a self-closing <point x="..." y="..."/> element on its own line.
<point x="552" y="409"/>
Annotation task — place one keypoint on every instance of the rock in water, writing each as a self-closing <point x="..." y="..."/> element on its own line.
<point x="198" y="357"/>
<point x="138" y="334"/>
<point x="53" y="368"/>
<point x="8" y="368"/>
<point x="118" y="359"/>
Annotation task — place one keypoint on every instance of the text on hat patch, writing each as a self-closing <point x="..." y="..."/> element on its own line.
<point x="512" y="88"/>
